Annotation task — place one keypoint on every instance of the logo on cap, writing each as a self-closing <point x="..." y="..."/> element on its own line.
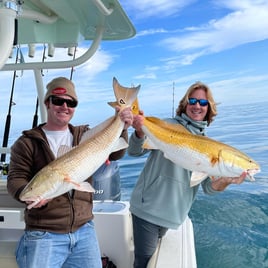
<point x="59" y="91"/>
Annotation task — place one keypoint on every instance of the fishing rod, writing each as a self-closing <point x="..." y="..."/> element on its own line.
<point x="35" y="118"/>
<point x="173" y="89"/>
<point x="8" y="118"/>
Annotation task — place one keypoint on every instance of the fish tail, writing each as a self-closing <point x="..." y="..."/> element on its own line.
<point x="125" y="96"/>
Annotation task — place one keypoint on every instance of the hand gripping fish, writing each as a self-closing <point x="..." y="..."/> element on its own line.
<point x="70" y="170"/>
<point x="205" y="157"/>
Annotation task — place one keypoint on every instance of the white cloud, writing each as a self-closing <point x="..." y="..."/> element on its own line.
<point x="229" y="87"/>
<point x="149" y="73"/>
<point x="238" y="4"/>
<point x="151" y="32"/>
<point x="154" y="8"/>
<point x="172" y="63"/>
<point x="247" y="24"/>
<point x="100" y="62"/>
<point x="146" y="76"/>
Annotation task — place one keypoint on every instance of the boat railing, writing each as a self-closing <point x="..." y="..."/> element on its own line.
<point x="59" y="64"/>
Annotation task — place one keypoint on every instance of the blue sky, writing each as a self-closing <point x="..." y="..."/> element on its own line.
<point x="223" y="43"/>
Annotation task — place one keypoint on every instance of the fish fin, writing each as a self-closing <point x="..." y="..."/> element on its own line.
<point x="119" y="145"/>
<point x="96" y="130"/>
<point x="83" y="186"/>
<point x="197" y="177"/>
<point x="148" y="144"/>
<point x="113" y="103"/>
<point x="34" y="203"/>
<point x="63" y="150"/>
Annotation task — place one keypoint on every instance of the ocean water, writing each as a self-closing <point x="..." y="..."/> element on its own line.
<point x="231" y="228"/>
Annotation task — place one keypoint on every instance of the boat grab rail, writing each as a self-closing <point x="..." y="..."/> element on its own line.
<point x="60" y="64"/>
<point x="102" y="8"/>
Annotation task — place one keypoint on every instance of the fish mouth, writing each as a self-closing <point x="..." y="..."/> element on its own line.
<point x="251" y="173"/>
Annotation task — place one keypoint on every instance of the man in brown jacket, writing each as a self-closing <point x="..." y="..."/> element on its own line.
<point x="59" y="232"/>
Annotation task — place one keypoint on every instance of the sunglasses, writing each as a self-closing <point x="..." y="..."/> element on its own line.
<point x="194" y="101"/>
<point x="60" y="101"/>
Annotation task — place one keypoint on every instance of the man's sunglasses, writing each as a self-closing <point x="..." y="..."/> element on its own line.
<point x="60" y="101"/>
<point x="194" y="101"/>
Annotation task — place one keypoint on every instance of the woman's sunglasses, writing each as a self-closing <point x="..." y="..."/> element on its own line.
<point x="60" y="101"/>
<point x="194" y="101"/>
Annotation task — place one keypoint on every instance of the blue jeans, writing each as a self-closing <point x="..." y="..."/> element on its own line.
<point x="38" y="249"/>
<point x="146" y="236"/>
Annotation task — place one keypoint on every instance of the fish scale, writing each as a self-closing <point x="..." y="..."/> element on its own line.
<point x="70" y="170"/>
<point x="202" y="155"/>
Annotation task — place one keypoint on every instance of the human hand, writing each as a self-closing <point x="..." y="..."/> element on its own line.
<point x="138" y="123"/>
<point x="126" y="116"/>
<point x="221" y="183"/>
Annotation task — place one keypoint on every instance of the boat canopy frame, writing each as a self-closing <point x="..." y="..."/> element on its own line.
<point x="61" y="23"/>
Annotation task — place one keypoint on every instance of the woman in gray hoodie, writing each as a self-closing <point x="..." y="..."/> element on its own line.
<point x="162" y="197"/>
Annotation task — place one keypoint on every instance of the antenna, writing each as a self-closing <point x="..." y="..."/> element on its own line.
<point x="173" y="88"/>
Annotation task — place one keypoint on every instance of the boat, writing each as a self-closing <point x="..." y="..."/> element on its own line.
<point x="65" y="24"/>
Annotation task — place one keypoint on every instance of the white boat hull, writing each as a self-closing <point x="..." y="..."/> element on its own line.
<point x="112" y="222"/>
<point x="113" y="225"/>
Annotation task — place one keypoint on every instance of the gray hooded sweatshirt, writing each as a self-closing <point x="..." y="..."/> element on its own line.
<point x="162" y="195"/>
